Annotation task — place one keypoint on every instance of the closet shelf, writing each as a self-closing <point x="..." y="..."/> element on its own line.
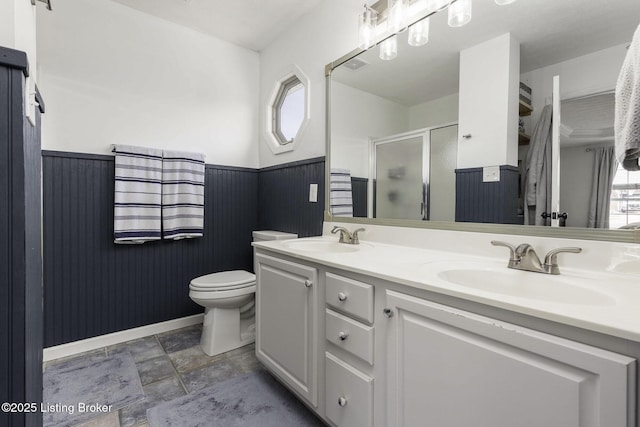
<point x="525" y="109"/>
<point x="523" y="138"/>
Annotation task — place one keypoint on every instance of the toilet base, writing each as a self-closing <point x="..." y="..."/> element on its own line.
<point x="223" y="330"/>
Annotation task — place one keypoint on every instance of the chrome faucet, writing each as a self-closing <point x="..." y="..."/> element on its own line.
<point x="523" y="257"/>
<point x="346" y="236"/>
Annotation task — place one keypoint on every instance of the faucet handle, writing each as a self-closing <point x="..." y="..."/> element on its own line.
<point x="345" y="235"/>
<point x="512" y="249"/>
<point x="551" y="259"/>
<point x="354" y="235"/>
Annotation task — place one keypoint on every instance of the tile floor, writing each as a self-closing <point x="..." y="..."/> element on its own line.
<point x="170" y="365"/>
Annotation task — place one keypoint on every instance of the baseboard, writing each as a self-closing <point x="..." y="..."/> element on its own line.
<point x="76" y="347"/>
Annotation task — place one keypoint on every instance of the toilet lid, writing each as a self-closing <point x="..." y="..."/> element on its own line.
<point x="223" y="281"/>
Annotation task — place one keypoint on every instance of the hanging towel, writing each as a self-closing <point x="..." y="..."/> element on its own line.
<point x="138" y="194"/>
<point x="537" y="175"/>
<point x="182" y="195"/>
<point x="341" y="196"/>
<point x="627" y="108"/>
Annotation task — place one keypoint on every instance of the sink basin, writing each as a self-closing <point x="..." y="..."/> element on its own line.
<point x="323" y="245"/>
<point x="627" y="267"/>
<point x="528" y="285"/>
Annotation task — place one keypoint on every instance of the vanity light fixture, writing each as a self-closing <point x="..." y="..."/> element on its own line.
<point x="503" y="2"/>
<point x="367" y="23"/>
<point x="389" y="48"/>
<point x="396" y="15"/>
<point x="459" y="13"/>
<point x="419" y="33"/>
<point x="436" y="5"/>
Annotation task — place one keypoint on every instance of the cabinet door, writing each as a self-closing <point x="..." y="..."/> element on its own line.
<point x="348" y="393"/>
<point x="450" y="368"/>
<point x="286" y="322"/>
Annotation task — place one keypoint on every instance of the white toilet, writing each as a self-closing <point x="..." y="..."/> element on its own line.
<point x="228" y="300"/>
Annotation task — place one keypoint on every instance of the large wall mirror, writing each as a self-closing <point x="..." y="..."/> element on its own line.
<point x="447" y="134"/>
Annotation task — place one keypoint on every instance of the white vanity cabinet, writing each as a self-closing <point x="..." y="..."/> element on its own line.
<point x="451" y="368"/>
<point x="362" y="351"/>
<point x="286" y="323"/>
<point x="348" y="332"/>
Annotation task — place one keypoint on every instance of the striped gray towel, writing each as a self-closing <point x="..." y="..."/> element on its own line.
<point x="182" y="195"/>
<point x="340" y="193"/>
<point x="137" y="198"/>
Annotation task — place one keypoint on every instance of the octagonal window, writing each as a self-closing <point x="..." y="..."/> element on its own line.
<point x="288" y="111"/>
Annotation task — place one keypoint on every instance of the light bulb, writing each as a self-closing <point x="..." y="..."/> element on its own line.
<point x="435" y="5"/>
<point x="419" y="33"/>
<point x="459" y="13"/>
<point x="396" y="18"/>
<point x="367" y="28"/>
<point x="389" y="48"/>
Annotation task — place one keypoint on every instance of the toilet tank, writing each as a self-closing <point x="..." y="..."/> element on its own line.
<point x="261" y="236"/>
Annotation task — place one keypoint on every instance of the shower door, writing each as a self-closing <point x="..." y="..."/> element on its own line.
<point x="400" y="171"/>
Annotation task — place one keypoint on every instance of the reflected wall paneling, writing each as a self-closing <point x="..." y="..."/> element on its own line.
<point x="487" y="202"/>
<point x="359" y="192"/>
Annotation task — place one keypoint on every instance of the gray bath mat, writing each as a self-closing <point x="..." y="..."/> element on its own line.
<point x="256" y="399"/>
<point x="70" y="387"/>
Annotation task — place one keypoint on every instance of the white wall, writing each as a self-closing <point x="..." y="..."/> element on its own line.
<point x="113" y="75"/>
<point x="356" y="116"/>
<point x="18" y="29"/>
<point x="326" y="33"/>
<point x="488" y="105"/>
<point x="433" y="113"/>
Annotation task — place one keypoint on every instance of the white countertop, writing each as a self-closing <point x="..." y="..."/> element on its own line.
<point x="600" y="301"/>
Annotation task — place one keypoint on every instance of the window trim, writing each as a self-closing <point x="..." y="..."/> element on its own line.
<point x="274" y="135"/>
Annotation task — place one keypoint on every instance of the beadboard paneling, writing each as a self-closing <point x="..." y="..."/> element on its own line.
<point x="284" y="198"/>
<point x="21" y="266"/>
<point x="488" y="202"/>
<point x="359" y="193"/>
<point x="95" y="287"/>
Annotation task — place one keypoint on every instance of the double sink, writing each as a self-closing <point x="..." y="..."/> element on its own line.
<point x="473" y="275"/>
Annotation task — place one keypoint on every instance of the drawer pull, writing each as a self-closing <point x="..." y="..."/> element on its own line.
<point x="343" y="335"/>
<point x="388" y="312"/>
<point x="342" y="401"/>
<point x="308" y="283"/>
<point x="342" y="296"/>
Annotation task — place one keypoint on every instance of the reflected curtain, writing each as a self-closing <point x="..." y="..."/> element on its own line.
<point x="604" y="170"/>
<point x="537" y="172"/>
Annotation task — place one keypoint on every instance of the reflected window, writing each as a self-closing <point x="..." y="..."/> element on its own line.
<point x="625" y="198"/>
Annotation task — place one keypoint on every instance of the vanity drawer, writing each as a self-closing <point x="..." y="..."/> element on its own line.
<point x="350" y="296"/>
<point x="348" y="393"/>
<point x="352" y="336"/>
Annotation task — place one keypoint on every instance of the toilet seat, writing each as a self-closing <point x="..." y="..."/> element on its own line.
<point x="223" y="281"/>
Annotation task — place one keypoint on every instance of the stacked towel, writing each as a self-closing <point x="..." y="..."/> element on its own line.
<point x="138" y="194"/>
<point x="627" y="108"/>
<point x="340" y="192"/>
<point x="182" y="194"/>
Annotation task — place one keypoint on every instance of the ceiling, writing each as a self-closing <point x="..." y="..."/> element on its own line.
<point x="587" y="120"/>
<point x="252" y="24"/>
<point x="549" y="31"/>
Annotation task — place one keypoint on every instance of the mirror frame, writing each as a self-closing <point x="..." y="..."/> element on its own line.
<point x="621" y="236"/>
